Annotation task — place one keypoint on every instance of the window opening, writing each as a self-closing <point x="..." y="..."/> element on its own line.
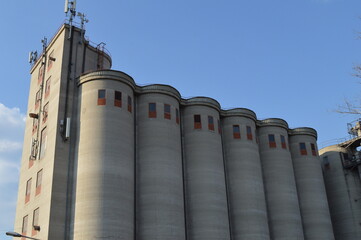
<point x="210" y="123"/>
<point x="129" y="104"/>
<point x="313" y="149"/>
<point x="39" y="179"/>
<point x="117" y="99"/>
<point x="283" y="142"/>
<point x="28" y="191"/>
<point x="272" y="141"/>
<point x="249" y="133"/>
<point x="47" y="87"/>
<point x="24" y="228"/>
<point x="219" y="126"/>
<point x="101" y="97"/>
<point x="197" y="122"/>
<point x="41" y="73"/>
<point x="303" y="150"/>
<point x="177" y="115"/>
<point x="44" y="137"/>
<point x="167" y="111"/>
<point x="236" y="132"/>
<point x="35" y="221"/>
<point x="45" y="112"/>
<point x="152" y="110"/>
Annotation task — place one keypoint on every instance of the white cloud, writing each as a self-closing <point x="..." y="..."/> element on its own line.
<point x="12" y="117"/>
<point x="9" y="171"/>
<point x="10" y="146"/>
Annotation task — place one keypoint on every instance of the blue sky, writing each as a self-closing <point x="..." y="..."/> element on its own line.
<point x="290" y="59"/>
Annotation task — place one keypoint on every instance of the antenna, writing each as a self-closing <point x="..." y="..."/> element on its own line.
<point x="66" y="8"/>
<point x="33" y="57"/>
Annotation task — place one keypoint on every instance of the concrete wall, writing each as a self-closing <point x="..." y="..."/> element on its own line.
<point x="248" y="212"/>
<point x="310" y="185"/>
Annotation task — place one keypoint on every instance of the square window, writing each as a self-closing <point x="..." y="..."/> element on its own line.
<point x="197" y="121"/>
<point x="303" y="150"/>
<point x="236" y="132"/>
<point x="129" y="104"/>
<point x="45" y="112"/>
<point x="210" y="123"/>
<point x="313" y="149"/>
<point x="44" y="137"/>
<point x="117" y="99"/>
<point x="24" y="228"/>
<point x="101" y="97"/>
<point x="283" y="142"/>
<point x="47" y="87"/>
<point x="249" y="133"/>
<point x="272" y="141"/>
<point x="152" y="110"/>
<point x="167" y="111"/>
<point x="177" y="115"/>
<point x="28" y="191"/>
<point x="39" y="179"/>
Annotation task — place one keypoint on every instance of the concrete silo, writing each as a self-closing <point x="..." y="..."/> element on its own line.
<point x="159" y="167"/>
<point x="284" y="216"/>
<point x="342" y="181"/>
<point x="310" y="185"/>
<point x="247" y="203"/>
<point x="104" y="203"/>
<point x="206" y="197"/>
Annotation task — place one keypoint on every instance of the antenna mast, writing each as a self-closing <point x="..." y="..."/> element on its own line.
<point x="70" y="7"/>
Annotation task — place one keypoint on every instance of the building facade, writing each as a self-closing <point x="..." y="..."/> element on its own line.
<point x="106" y="158"/>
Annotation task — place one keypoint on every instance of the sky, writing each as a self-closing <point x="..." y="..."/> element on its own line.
<point x="289" y="59"/>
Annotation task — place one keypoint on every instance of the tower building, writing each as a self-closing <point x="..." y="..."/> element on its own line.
<point x="106" y="158"/>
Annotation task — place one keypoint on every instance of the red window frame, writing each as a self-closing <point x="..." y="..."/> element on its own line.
<point x="45" y="112"/>
<point x="41" y="74"/>
<point x="117" y="99"/>
<point x="177" y="115"/>
<point x="313" y="149"/>
<point x="210" y="123"/>
<point x="102" y="97"/>
<point x="50" y="60"/>
<point x="35" y="221"/>
<point x="249" y="133"/>
<point x="236" y="132"/>
<point x="197" y="121"/>
<point x="272" y="141"/>
<point x="47" y="87"/>
<point x="24" y="227"/>
<point x="167" y="114"/>
<point x="152" y="110"/>
<point x="283" y="142"/>
<point x="39" y="179"/>
<point x="129" y="104"/>
<point x="28" y="190"/>
<point x="303" y="150"/>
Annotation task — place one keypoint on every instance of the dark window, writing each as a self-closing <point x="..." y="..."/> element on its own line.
<point x="35" y="220"/>
<point x="167" y="111"/>
<point x="271" y="141"/>
<point x="236" y="132"/>
<point x="219" y="126"/>
<point x="47" y="87"/>
<point x="28" y="190"/>
<point x="45" y="112"/>
<point x="24" y="228"/>
<point x="44" y="137"/>
<point x="101" y="97"/>
<point x="117" y="99"/>
<point x="51" y="59"/>
<point x="345" y="156"/>
<point x="313" y="148"/>
<point x="283" y="142"/>
<point x="197" y="122"/>
<point x="152" y="110"/>
<point x="303" y="150"/>
<point x="39" y="179"/>
<point x="325" y="162"/>
<point x="249" y="133"/>
<point x="177" y="115"/>
<point x="129" y="104"/>
<point x="41" y="74"/>
<point x="210" y="123"/>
